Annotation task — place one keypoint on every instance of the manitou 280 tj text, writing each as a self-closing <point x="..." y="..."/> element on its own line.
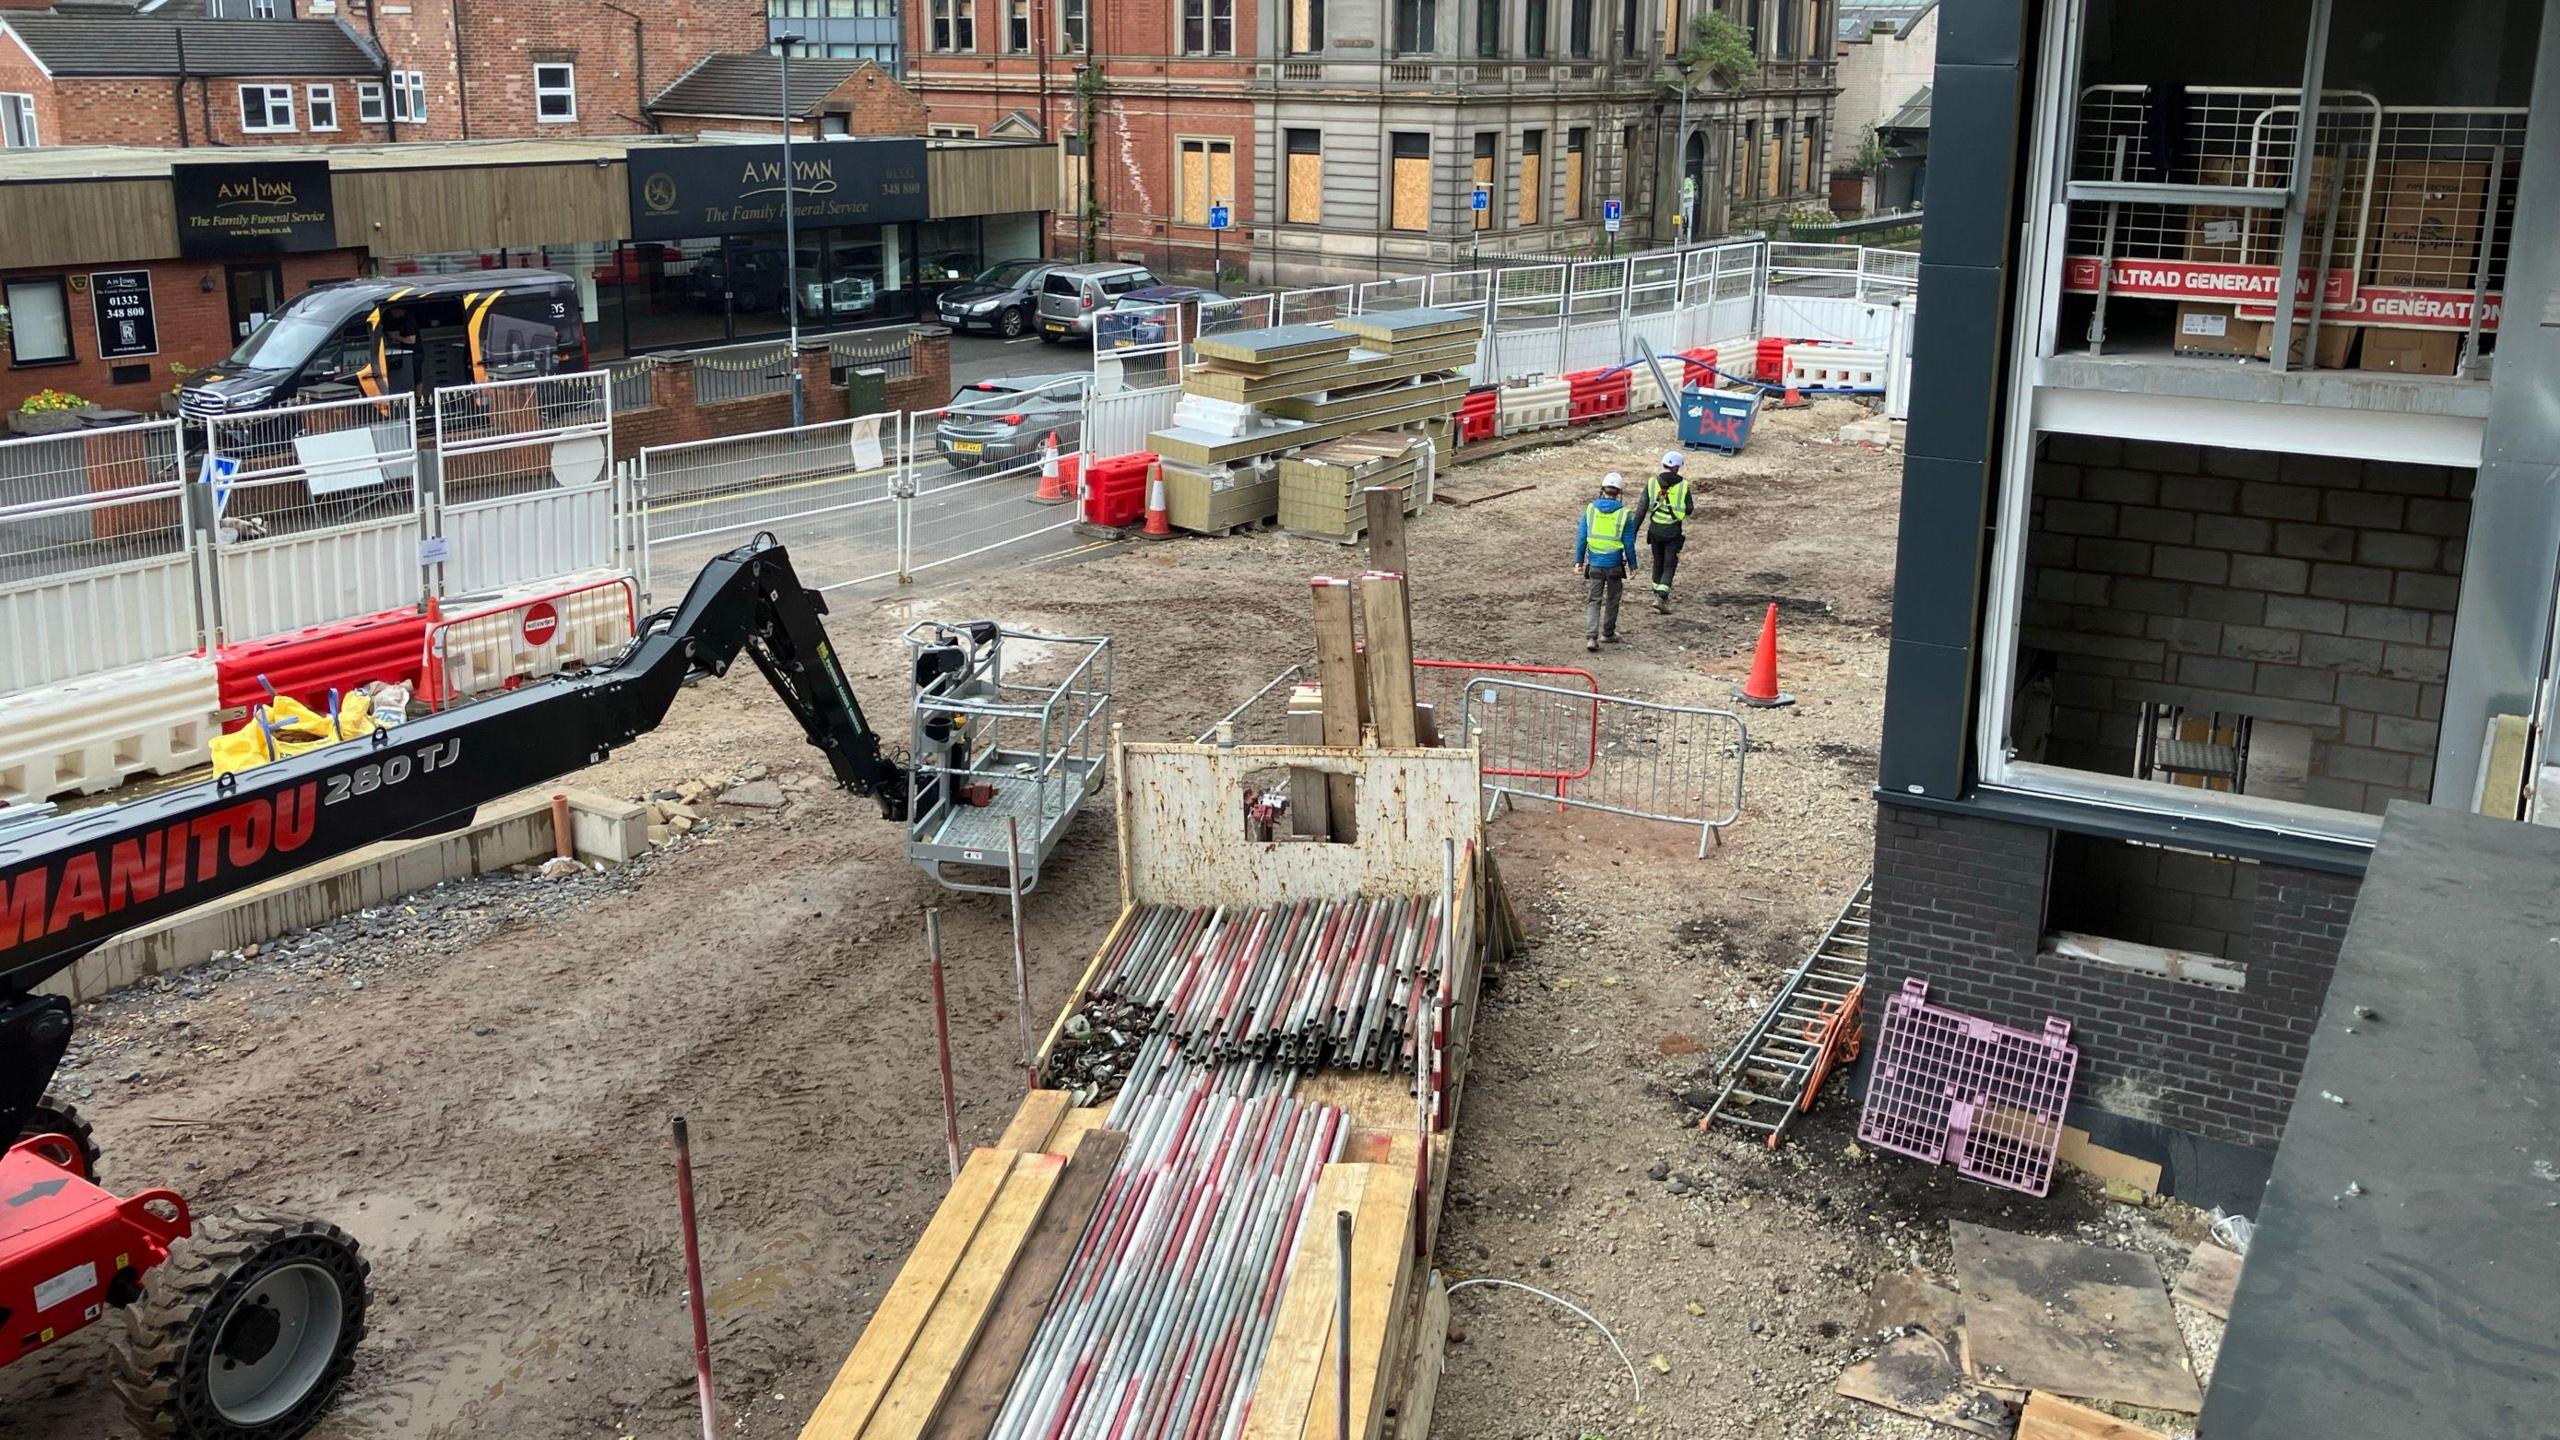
<point x="241" y="1327"/>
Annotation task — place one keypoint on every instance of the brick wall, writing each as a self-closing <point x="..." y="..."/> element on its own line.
<point x="872" y="102"/>
<point x="2299" y="590"/>
<point x="674" y="416"/>
<point x="194" y="329"/>
<point x="1959" y="901"/>
<point x="144" y="111"/>
<point x="502" y="40"/>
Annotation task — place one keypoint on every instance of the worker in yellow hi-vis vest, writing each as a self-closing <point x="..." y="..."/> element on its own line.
<point x="1666" y="513"/>
<point x="1605" y="552"/>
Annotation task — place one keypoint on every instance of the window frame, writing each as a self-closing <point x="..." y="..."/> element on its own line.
<point x="1201" y="22"/>
<point x="1580" y="15"/>
<point x="1017" y="27"/>
<point x="372" y="108"/>
<point x="318" y="97"/>
<point x="952" y="27"/>
<point x="267" y="94"/>
<point x="1489" y="35"/>
<point x="20" y="105"/>
<point x="70" y="337"/>
<point x="1535" y="17"/>
<point x="1073" y="18"/>
<point x="1396" y="138"/>
<point x="1531" y="208"/>
<point x="1484" y="167"/>
<point x="1289" y="188"/>
<point x="1210" y="147"/>
<point x="1312" y="12"/>
<point x="1577" y="173"/>
<point x="409" y="97"/>
<point x="1414" y="27"/>
<point x="543" y="93"/>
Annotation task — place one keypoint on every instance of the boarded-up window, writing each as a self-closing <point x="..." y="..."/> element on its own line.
<point x="1577" y="148"/>
<point x="1306" y="177"/>
<point x="1675" y="26"/>
<point x="1812" y="153"/>
<point x="1747" y="164"/>
<point x="1411" y="182"/>
<point x="1306" y="26"/>
<point x="1488" y="146"/>
<point x="1774" y="184"/>
<point x="1208" y="178"/>
<point x="1533" y="173"/>
<point x="1072" y="167"/>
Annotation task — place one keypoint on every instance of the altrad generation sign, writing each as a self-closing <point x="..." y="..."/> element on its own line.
<point x="714" y="189"/>
<point x="254" y="208"/>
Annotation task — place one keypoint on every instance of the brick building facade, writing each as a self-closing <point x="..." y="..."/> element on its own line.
<point x="731" y="94"/>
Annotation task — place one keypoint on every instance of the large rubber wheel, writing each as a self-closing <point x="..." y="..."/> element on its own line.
<point x="245" y="1332"/>
<point x="57" y="1116"/>
<point x="1012" y="323"/>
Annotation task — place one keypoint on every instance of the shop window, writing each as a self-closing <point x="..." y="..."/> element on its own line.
<point x="1577" y="170"/>
<point x="1533" y="174"/>
<point x="1410" y="205"/>
<point x="1533" y="30"/>
<point x="39" y="321"/>
<point x="555" y="93"/>
<point x="1417" y="26"/>
<point x="1488" y="147"/>
<point x="1071" y="26"/>
<point x="323" y="102"/>
<point x="955" y="25"/>
<point x="368" y="102"/>
<point x="1306" y="26"/>
<point x="1305" y="179"/>
<point x="1488" y="29"/>
<point x="1208" y="178"/>
<point x="947" y="251"/>
<point x="1208" y="27"/>
<point x="18" y="123"/>
<point x="266" y="109"/>
<point x="1017" y="25"/>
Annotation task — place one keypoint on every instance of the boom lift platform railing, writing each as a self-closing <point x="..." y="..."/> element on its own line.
<point x="994" y="758"/>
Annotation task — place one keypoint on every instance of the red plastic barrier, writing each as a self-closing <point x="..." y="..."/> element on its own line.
<point x="1475" y="425"/>
<point x="308" y="664"/>
<point x="1596" y="394"/>
<point x="1769" y="362"/>
<point x="1115" y="493"/>
<point x="1698" y="366"/>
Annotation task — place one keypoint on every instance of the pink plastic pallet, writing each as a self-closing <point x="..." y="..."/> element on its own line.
<point x="1951" y="1088"/>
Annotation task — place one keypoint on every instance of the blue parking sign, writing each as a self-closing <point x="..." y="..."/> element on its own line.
<point x="1483" y="197"/>
<point x="218" y="473"/>
<point x="1612" y="211"/>
<point x="1218" y="217"/>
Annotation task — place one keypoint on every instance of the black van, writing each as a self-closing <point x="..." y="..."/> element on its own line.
<point x="413" y="333"/>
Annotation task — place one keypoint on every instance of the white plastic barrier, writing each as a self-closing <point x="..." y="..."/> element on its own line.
<point x="1836" y="367"/>
<point x="1842" y="320"/>
<point x="1536" y="406"/>
<point x="94" y="733"/>
<point x="529" y="633"/>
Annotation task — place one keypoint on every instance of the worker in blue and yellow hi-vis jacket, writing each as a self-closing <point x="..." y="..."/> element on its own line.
<point x="1605" y="552"/>
<point x="1666" y="514"/>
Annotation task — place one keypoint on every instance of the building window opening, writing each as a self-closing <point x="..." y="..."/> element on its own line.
<point x="2156" y="911"/>
<point x="555" y="93"/>
<point x="2220" y="626"/>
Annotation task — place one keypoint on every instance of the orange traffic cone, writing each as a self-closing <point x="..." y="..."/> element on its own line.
<point x="1762" y="688"/>
<point x="1053" y="481"/>
<point x="1793" y="399"/>
<point x="1159" y="523"/>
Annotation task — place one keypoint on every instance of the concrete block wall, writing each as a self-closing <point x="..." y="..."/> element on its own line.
<point x="2296" y="589"/>
<point x="1961" y="901"/>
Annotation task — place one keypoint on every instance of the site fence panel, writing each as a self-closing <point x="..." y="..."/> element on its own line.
<point x="98" y="566"/>
<point x="1119" y="423"/>
<point x="1314" y="306"/>
<point x="1404" y="292"/>
<point x="522" y="480"/>
<point x="1566" y="746"/>
<point x="1137" y="348"/>
<point x="323" y="517"/>
<point x="1220" y="317"/>
<point x="741" y="372"/>
<point x="958" y="509"/>
<point x="827" y="490"/>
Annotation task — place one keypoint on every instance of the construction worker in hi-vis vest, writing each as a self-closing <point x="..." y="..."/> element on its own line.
<point x="1605" y="552"/>
<point x="1666" y="510"/>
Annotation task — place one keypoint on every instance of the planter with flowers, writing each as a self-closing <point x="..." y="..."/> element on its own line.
<point x="49" y="412"/>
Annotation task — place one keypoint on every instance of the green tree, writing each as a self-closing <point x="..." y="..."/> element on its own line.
<point x="1719" y="51"/>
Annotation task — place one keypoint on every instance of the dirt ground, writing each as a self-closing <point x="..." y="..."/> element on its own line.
<point x="477" y="1082"/>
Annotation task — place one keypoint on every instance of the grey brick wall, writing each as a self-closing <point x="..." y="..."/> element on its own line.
<point x="2296" y="589"/>
<point x="1960" y="901"/>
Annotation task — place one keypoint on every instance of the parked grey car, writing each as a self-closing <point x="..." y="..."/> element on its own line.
<point x="1005" y="298"/>
<point x="1071" y="295"/>
<point x="995" y="423"/>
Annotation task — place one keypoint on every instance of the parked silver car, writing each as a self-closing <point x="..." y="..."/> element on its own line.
<point x="1004" y="421"/>
<point x="1004" y="298"/>
<point x="1071" y="295"/>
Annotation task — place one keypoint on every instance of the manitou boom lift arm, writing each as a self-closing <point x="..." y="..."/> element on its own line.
<point x="72" y="884"/>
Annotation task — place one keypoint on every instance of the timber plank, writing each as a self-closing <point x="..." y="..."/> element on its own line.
<point x="1383" y="612"/>
<point x="891" y="1333"/>
<point x="949" y="1333"/>
<point x="1038" y="1116"/>
<point x="1338" y="675"/>
<point x="1302" y="1332"/>
<point x="2050" y="1417"/>
<point x="1381" y="1265"/>
<point x="979" y="1390"/>
<point x="1081" y="1122"/>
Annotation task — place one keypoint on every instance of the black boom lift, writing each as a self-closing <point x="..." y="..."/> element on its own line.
<point x="254" y="1336"/>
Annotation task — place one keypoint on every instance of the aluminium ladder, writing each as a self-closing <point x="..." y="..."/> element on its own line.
<point x="1774" y="1071"/>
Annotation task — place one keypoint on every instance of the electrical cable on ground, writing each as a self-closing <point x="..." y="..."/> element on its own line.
<point x="1632" y="1377"/>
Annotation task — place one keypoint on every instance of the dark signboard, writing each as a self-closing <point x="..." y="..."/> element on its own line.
<point x="259" y="207"/>
<point x="715" y="189"/>
<point x="127" y="328"/>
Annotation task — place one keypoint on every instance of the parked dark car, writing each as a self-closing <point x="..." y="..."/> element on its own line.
<point x="1137" y="316"/>
<point x="995" y="423"/>
<point x="1004" y="298"/>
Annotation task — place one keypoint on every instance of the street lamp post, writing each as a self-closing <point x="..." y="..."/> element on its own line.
<point x="790" y="235"/>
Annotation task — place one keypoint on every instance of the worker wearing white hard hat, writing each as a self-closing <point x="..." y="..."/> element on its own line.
<point x="1605" y="552"/>
<point x="1666" y="515"/>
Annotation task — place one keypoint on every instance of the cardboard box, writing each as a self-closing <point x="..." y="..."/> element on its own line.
<point x="2218" y="234"/>
<point x="2205" y="329"/>
<point x="2336" y="343"/>
<point x="2426" y="222"/>
<point x="2412" y="352"/>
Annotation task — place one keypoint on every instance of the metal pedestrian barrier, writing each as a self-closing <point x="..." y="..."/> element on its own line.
<point x="1567" y="746"/>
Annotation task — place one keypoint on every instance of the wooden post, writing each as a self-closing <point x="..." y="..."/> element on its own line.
<point x="1309" y="810"/>
<point x="1338" y="672"/>
<point x="1382" y="601"/>
<point x="1386" y="529"/>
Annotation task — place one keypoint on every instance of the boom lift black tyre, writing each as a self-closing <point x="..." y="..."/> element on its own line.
<point x="245" y="1332"/>
<point x="57" y="1116"/>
